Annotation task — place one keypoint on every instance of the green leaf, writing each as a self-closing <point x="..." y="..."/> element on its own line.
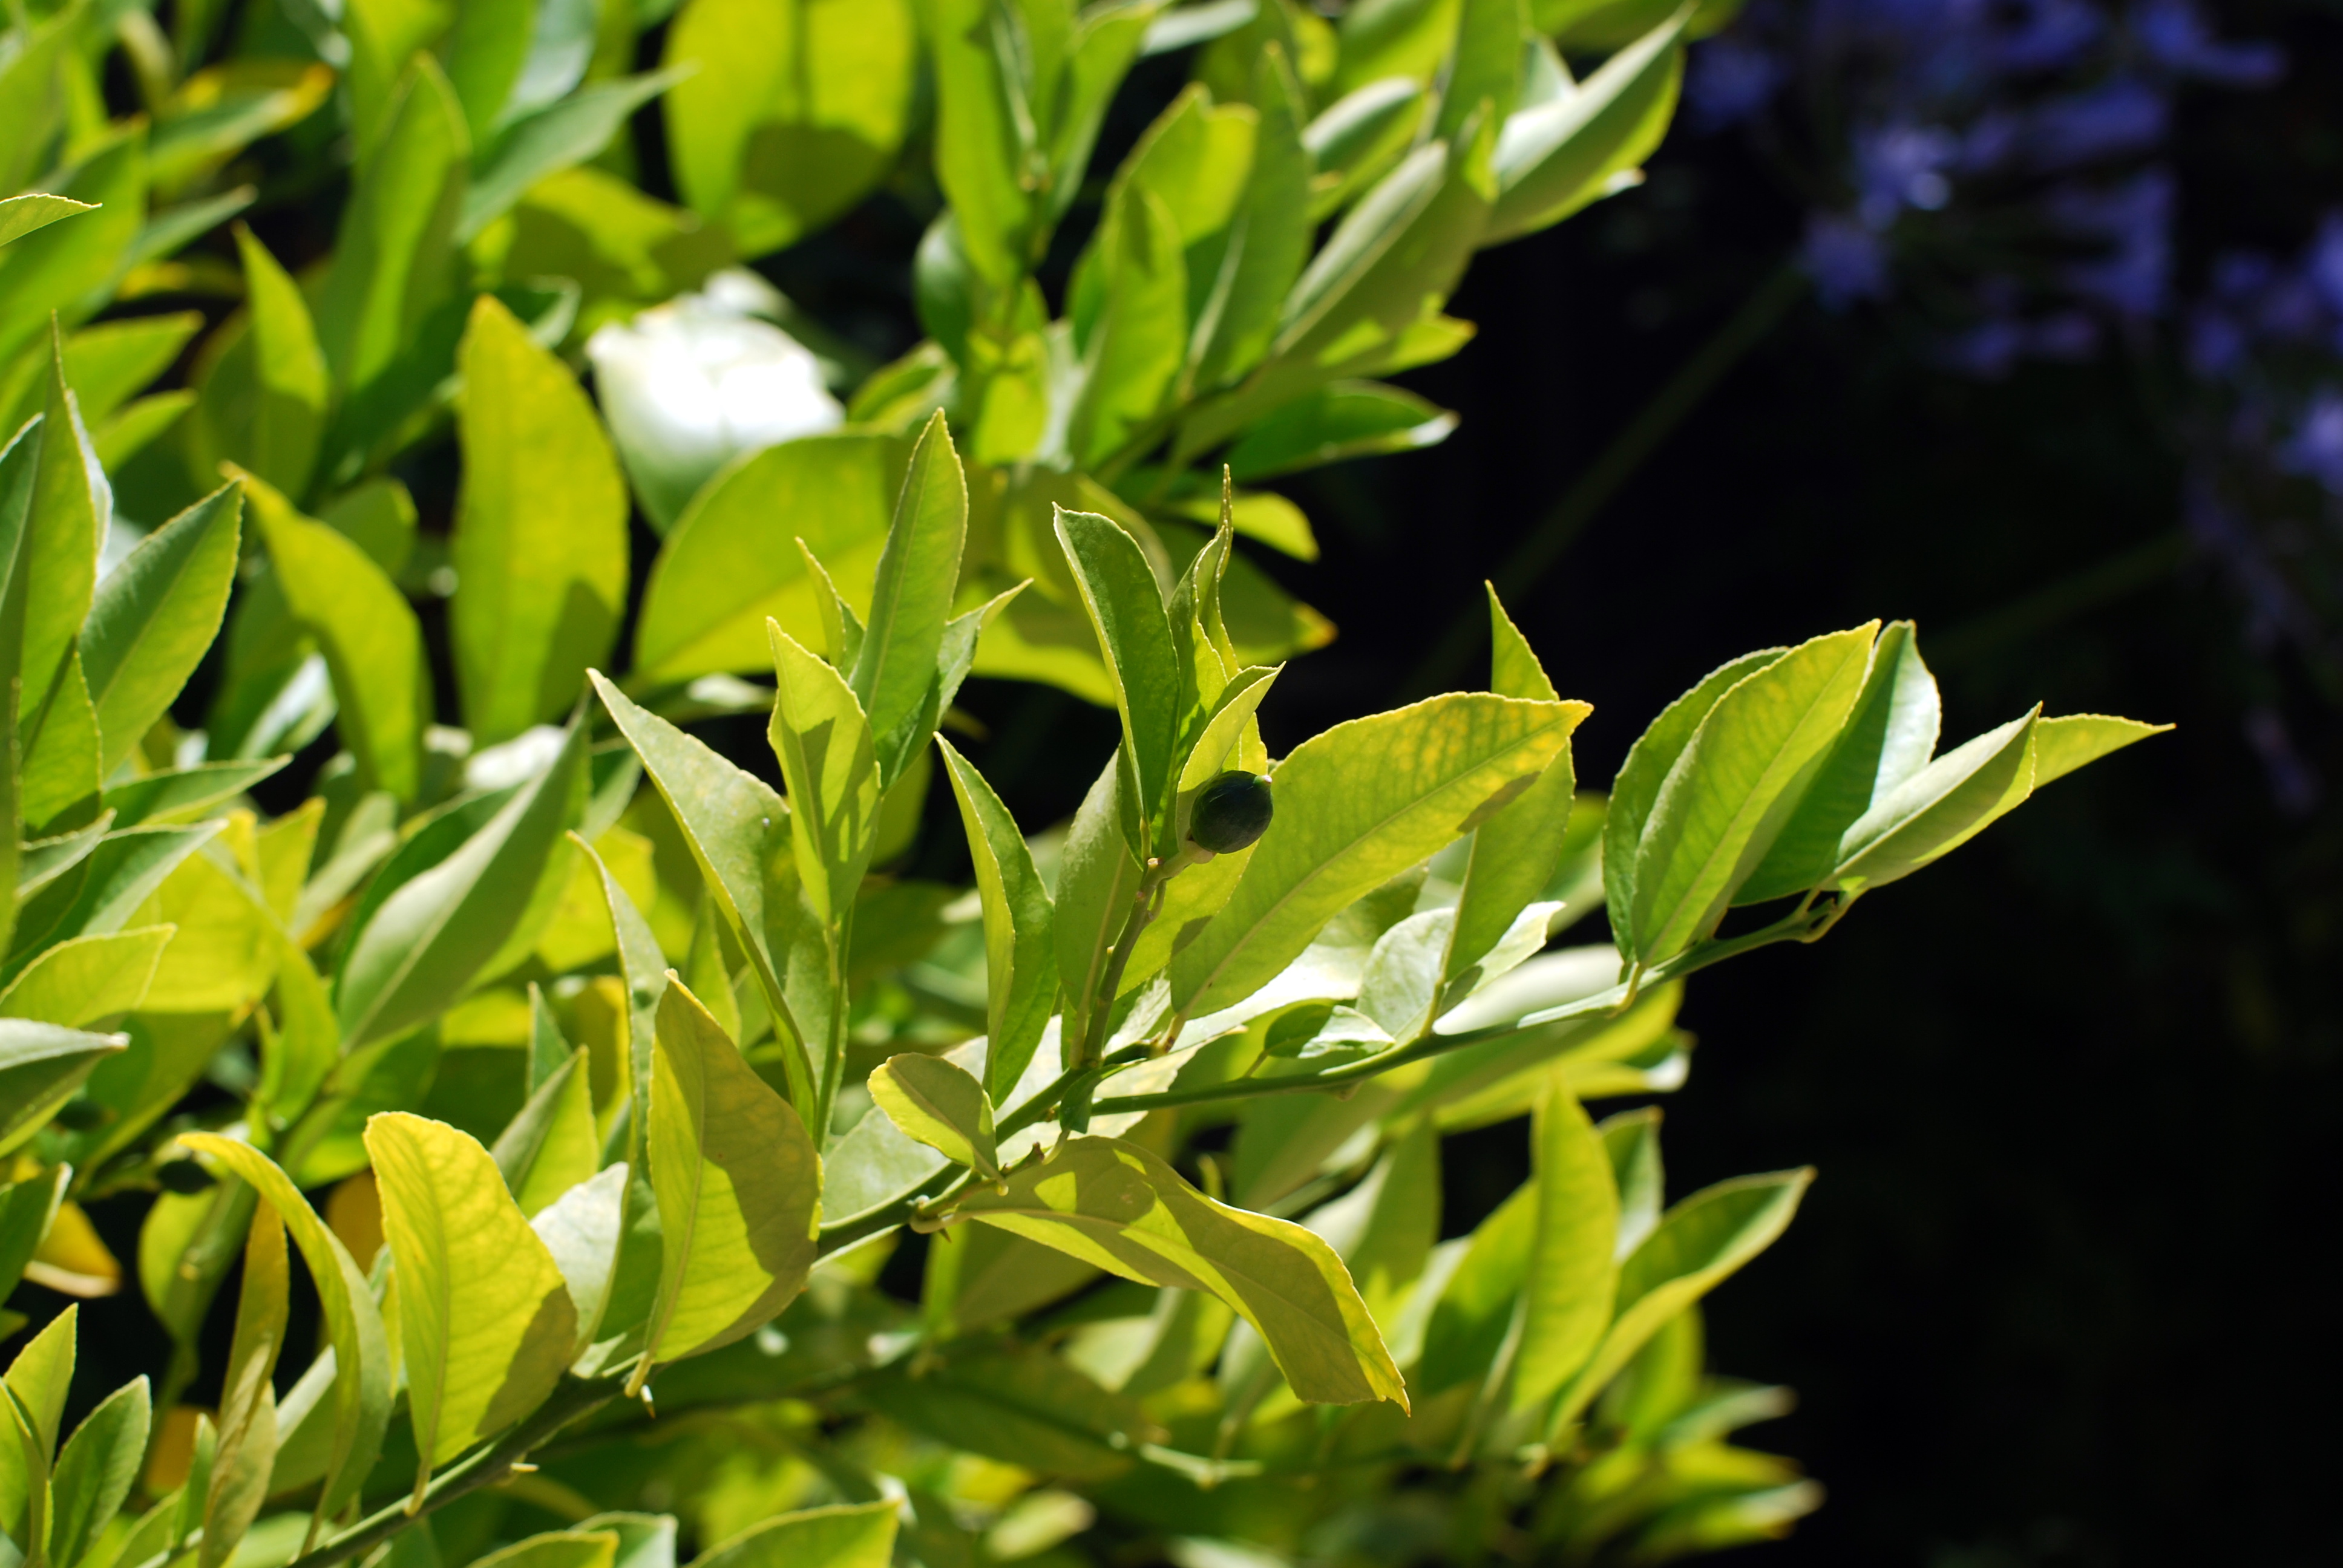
<point x="738" y="1185"/>
<point x="246" y="1425"/>
<point x="96" y="1472"/>
<point x="87" y="979"/>
<point x="1637" y="785"/>
<point x="982" y="158"/>
<point x="35" y="1396"/>
<point x="1117" y="1206"/>
<point x="26" y="1208"/>
<point x="1340" y="420"/>
<point x="1356" y="806"/>
<point x="555" y="1549"/>
<point x="1405" y="244"/>
<point x="644" y="968"/>
<point x="1475" y="1313"/>
<point x="1106" y="39"/>
<point x="2064" y="744"/>
<point x="1702" y="1242"/>
<point x="911" y="598"/>
<point x="552" y="138"/>
<point x="847" y="1535"/>
<point x="939" y="1105"/>
<point x="106" y="365"/>
<point x="67" y="268"/>
<point x="1126" y="609"/>
<point x="1572" y="1274"/>
<point x="1268" y="240"/>
<point x="72" y="507"/>
<point x="1632" y="1141"/>
<point x="1555" y="157"/>
<point x="1021" y="1406"/>
<point x="1888" y="738"/>
<point x="485" y="1324"/>
<point x="153" y="617"/>
<point x="1020" y="968"/>
<point x="604" y="1237"/>
<point x="726" y="565"/>
<point x="1098" y="876"/>
<point x="540" y="545"/>
<point x="361" y="1388"/>
<point x="184" y="794"/>
<point x="739" y="835"/>
<point x="551" y="1145"/>
<point x="794" y="112"/>
<point x="99" y="894"/>
<point x="1134" y="352"/>
<point x="371" y="639"/>
<point x="21" y="215"/>
<point x="1940" y="808"/>
<point x="1485" y="65"/>
<point x="1516" y="852"/>
<point x="41" y="1066"/>
<point x="485" y="51"/>
<point x="393" y="258"/>
<point x="290" y="369"/>
<point x="1735" y="785"/>
<point x="59" y="783"/>
<point x="423" y="945"/>
<point x="818" y="733"/>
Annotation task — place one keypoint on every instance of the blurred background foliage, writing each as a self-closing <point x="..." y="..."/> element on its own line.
<point x="2018" y="319"/>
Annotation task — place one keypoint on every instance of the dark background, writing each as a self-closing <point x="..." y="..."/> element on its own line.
<point x="2073" y="1092"/>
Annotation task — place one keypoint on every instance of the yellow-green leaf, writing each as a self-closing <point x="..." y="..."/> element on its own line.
<point x="728" y="564"/>
<point x="1356" y="806"/>
<point x="1702" y="1241"/>
<point x="485" y="1323"/>
<point x="95" y="1473"/>
<point x="823" y="741"/>
<point x="290" y="367"/>
<point x="1566" y="1298"/>
<point x="152" y="619"/>
<point x="849" y="1535"/>
<point x="939" y="1105"/>
<point x="540" y="545"/>
<point x="87" y="979"/>
<point x="1119" y="1207"/>
<point x="739" y="1184"/>
<point x="1735" y="785"/>
<point x="372" y="642"/>
<point x="353" y="1324"/>
<point x="246" y="1425"/>
<point x="1020" y="964"/>
<point x="551" y="1145"/>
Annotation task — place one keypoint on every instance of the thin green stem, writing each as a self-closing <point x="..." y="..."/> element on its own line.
<point x="1643" y="434"/>
<point x="1144" y="904"/>
<point x="570" y="1401"/>
<point x="1791" y="929"/>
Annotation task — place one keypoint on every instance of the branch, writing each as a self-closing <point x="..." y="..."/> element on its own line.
<point x="570" y="1401"/>
<point x="1800" y="926"/>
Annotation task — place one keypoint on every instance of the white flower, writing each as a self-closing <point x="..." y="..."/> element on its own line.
<point x="690" y="385"/>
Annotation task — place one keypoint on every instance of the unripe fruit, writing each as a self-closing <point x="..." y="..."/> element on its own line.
<point x="1230" y="813"/>
<point x="183" y="1177"/>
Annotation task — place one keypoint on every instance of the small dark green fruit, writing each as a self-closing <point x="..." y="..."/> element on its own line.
<point x="1230" y="813"/>
<point x="183" y="1177"/>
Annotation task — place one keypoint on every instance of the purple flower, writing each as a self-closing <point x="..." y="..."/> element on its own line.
<point x="2325" y="266"/>
<point x="2316" y="449"/>
<point x="2050" y="33"/>
<point x="2174" y="35"/>
<point x="1846" y="260"/>
<point x="1902" y="165"/>
<point x="2123" y="117"/>
<point x="2136" y="220"/>
<point x="1729" y="80"/>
